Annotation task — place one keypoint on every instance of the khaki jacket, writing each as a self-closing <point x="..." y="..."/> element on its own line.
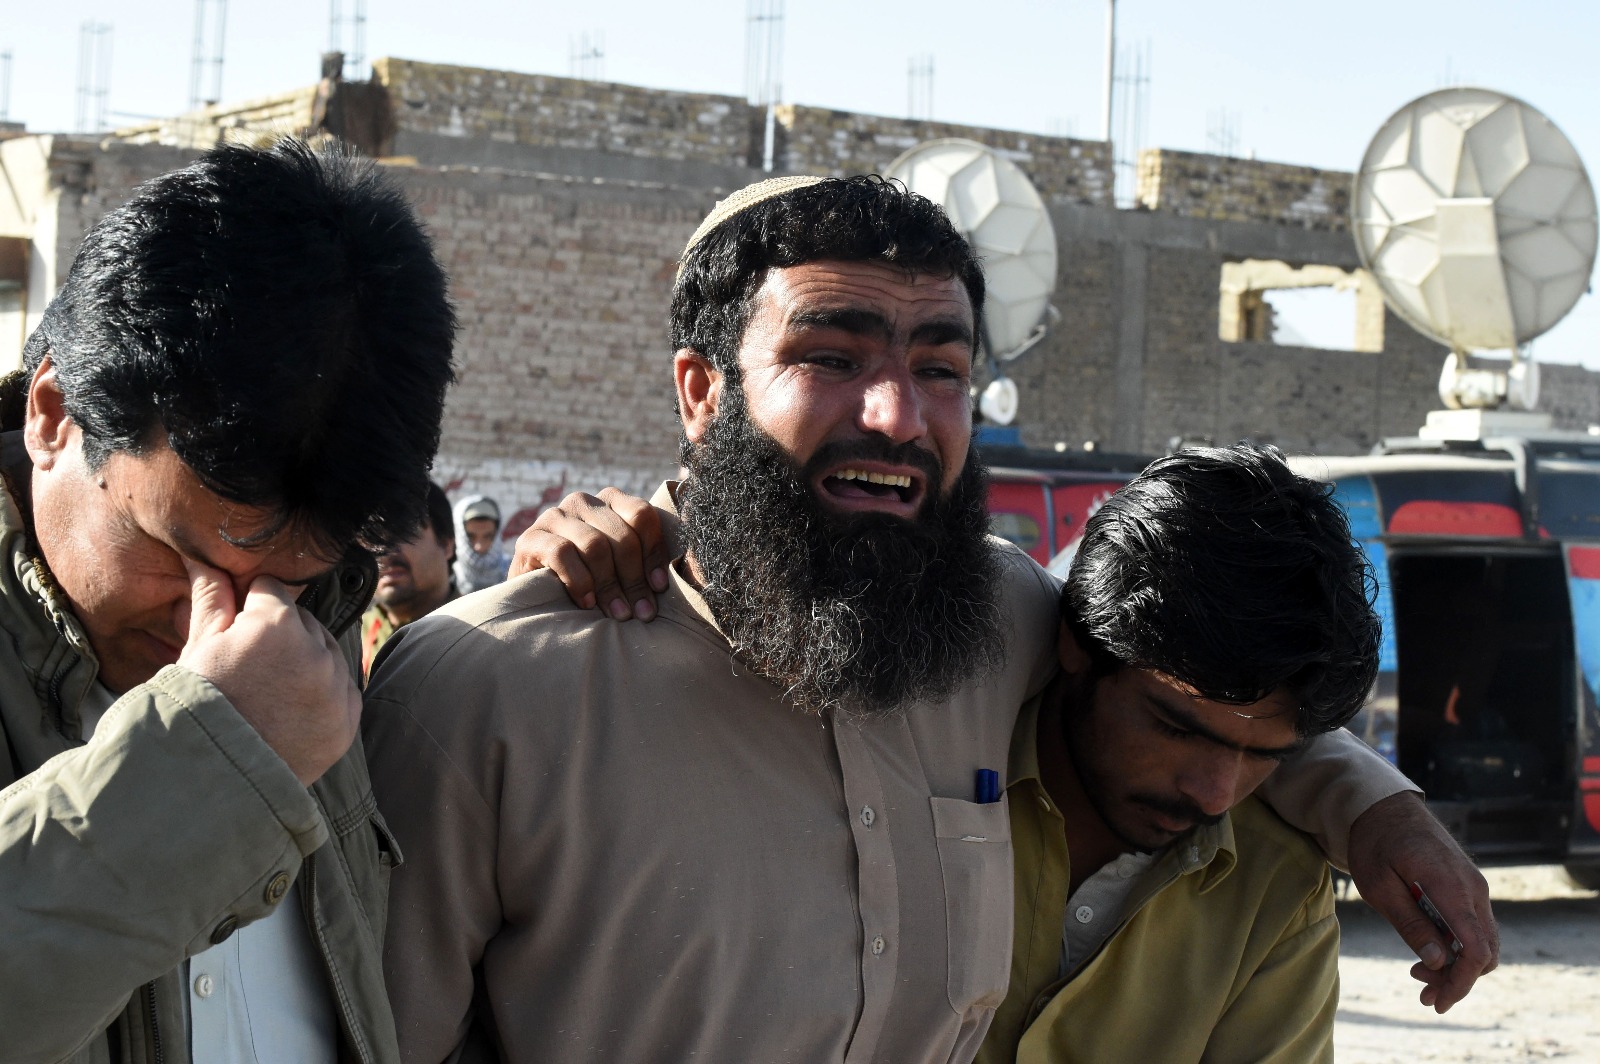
<point x="175" y="826"/>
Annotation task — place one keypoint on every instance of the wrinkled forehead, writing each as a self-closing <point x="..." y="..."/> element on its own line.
<point x="886" y="289"/>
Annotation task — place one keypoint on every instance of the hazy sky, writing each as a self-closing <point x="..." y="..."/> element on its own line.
<point x="1298" y="82"/>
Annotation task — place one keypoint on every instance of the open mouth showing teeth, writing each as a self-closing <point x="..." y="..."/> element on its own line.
<point x="857" y="483"/>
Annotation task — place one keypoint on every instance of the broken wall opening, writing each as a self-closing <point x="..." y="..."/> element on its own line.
<point x="14" y="259"/>
<point x="1271" y="301"/>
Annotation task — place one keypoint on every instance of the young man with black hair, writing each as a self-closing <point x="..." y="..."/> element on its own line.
<point x="750" y="830"/>
<point x="236" y="391"/>
<point x="1217" y="617"/>
<point x="414" y="578"/>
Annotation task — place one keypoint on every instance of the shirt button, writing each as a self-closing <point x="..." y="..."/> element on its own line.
<point x="1044" y="803"/>
<point x="1084" y="914"/>
<point x="277" y="888"/>
<point x="877" y="946"/>
<point x="229" y="925"/>
<point x="203" y="986"/>
<point x="867" y="815"/>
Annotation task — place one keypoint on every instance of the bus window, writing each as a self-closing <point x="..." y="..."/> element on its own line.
<point x="1480" y="504"/>
<point x="1017" y="514"/>
<point x="1569" y="499"/>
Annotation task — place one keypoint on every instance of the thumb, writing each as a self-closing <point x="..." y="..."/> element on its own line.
<point x="211" y="607"/>
<point x="1392" y="898"/>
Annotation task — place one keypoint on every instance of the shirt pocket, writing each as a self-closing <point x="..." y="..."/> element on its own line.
<point x="975" y="860"/>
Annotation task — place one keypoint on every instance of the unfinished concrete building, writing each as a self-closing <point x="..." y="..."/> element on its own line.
<point x="559" y="207"/>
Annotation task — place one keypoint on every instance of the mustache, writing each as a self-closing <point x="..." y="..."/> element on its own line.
<point x="1179" y="809"/>
<point x="875" y="449"/>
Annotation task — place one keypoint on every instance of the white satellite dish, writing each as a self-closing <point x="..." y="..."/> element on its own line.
<point x="1475" y="215"/>
<point x="999" y="211"/>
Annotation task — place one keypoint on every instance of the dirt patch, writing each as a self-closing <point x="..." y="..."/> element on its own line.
<point x="1542" y="1003"/>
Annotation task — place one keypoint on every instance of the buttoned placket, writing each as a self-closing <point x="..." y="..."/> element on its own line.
<point x="212" y="981"/>
<point x="877" y="889"/>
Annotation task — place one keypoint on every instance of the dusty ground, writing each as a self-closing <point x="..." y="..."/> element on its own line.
<point x="1543" y="1003"/>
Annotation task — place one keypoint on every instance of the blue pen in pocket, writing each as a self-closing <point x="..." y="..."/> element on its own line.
<point x="988" y="786"/>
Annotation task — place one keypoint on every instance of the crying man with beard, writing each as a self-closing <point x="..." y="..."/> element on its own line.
<point x="767" y="826"/>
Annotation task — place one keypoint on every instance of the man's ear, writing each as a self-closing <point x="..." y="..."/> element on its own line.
<point x="1075" y="660"/>
<point x="47" y="428"/>
<point x="699" y="388"/>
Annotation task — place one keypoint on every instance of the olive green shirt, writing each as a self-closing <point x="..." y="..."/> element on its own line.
<point x="1227" y="950"/>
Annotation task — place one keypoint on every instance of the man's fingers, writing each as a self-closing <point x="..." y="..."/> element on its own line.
<point x="1447" y="981"/>
<point x="631" y="596"/>
<point x="608" y="552"/>
<point x="211" y="609"/>
<point x="1393" y="900"/>
<point x="1398" y="842"/>
<point x="265" y="592"/>
<point x="645" y="520"/>
<point x="581" y="557"/>
<point x="539" y="549"/>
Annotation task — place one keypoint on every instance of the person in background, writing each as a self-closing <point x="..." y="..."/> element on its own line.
<point x="414" y="578"/>
<point x="483" y="563"/>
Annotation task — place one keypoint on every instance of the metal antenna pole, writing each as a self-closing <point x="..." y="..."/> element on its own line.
<point x="216" y="51"/>
<point x="207" y="54"/>
<point x="103" y="82"/>
<point x="197" y="56"/>
<point x="358" y="50"/>
<point x="5" y="86"/>
<point x="356" y="56"/>
<point x="1111" y="66"/>
<point x="762" y="68"/>
<point x="919" y="87"/>
<point x="81" y="118"/>
<point x="94" y="76"/>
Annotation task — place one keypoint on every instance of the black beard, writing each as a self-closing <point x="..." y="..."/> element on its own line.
<point x="863" y="612"/>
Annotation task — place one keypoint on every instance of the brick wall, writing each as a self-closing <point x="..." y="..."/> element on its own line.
<point x="286" y="112"/>
<point x="94" y="179"/>
<point x="1221" y="188"/>
<point x="816" y="140"/>
<point x="535" y="109"/>
<point x="562" y="284"/>
<point x="561" y="287"/>
<point x="1188" y="382"/>
<point x="1066" y="383"/>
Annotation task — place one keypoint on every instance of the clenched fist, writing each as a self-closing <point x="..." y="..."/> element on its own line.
<point x="277" y="664"/>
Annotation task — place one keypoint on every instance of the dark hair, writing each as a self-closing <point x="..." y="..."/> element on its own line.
<point x="278" y="318"/>
<point x="855" y="219"/>
<point x="440" y="520"/>
<point x="1223" y="569"/>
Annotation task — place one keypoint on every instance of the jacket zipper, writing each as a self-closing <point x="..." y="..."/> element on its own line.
<point x="157" y="1055"/>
